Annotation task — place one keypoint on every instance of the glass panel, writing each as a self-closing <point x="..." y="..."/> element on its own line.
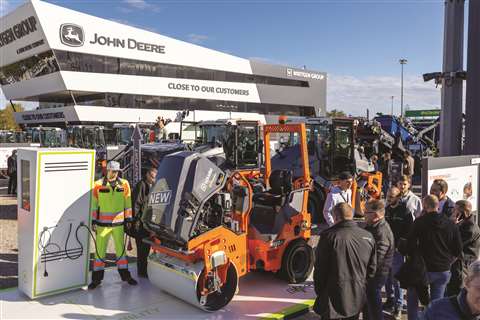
<point x="35" y="66"/>
<point x="74" y="61"/>
<point x="247" y="148"/>
<point x="25" y="185"/>
<point x="323" y="148"/>
<point x="189" y="132"/>
<point x="343" y="156"/>
<point x="216" y="135"/>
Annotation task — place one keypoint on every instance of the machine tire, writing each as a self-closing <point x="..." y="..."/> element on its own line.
<point x="297" y="262"/>
<point x="216" y="300"/>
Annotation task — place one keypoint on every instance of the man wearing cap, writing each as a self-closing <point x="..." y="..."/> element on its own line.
<point x="111" y="208"/>
<point x="340" y="193"/>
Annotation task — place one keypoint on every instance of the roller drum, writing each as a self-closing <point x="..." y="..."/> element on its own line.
<point x="180" y="279"/>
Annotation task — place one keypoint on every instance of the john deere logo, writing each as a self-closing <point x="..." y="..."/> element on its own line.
<point x="71" y="35"/>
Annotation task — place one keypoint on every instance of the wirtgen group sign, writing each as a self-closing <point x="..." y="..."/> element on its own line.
<point x="18" y="31"/>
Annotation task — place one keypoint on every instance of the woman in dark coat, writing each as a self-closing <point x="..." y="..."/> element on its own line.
<point x="470" y="233"/>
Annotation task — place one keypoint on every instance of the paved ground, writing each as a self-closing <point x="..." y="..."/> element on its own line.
<point x="8" y="238"/>
<point x="313" y="316"/>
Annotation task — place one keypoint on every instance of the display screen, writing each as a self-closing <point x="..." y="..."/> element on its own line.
<point x="25" y="184"/>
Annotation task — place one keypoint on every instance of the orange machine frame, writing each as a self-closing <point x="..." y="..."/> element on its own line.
<point x="240" y="249"/>
<point x="271" y="253"/>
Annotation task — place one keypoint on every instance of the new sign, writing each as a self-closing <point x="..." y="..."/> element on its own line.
<point x="160" y="198"/>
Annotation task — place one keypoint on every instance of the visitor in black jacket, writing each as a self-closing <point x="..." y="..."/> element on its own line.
<point x="384" y="246"/>
<point x="140" y="197"/>
<point x="400" y="220"/>
<point x="470" y="233"/>
<point x="439" y="188"/>
<point x="345" y="259"/>
<point x="438" y="241"/>
<point x="12" y="173"/>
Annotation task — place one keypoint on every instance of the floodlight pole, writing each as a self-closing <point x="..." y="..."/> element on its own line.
<point x="472" y="103"/>
<point x="391" y="111"/>
<point x="451" y="114"/>
<point x="402" y="63"/>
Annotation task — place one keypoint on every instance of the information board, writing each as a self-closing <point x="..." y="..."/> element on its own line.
<point x="462" y="182"/>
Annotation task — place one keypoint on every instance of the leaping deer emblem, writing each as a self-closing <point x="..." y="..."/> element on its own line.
<point x="72" y="36"/>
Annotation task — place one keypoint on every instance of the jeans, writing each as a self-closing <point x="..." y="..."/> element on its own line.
<point x="385" y="186"/>
<point x="374" y="298"/>
<point x="437" y="282"/>
<point x="392" y="286"/>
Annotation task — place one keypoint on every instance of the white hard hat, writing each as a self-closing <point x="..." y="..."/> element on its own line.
<point x="113" y="165"/>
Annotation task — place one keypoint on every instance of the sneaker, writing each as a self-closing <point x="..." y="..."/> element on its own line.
<point x="397" y="314"/>
<point x="132" y="282"/>
<point x="93" y="285"/>
<point x="389" y="304"/>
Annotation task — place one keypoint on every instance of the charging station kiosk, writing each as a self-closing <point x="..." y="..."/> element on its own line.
<point x="54" y="194"/>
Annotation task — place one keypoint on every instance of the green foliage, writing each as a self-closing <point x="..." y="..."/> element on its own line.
<point x="7" y="118"/>
<point x="336" y="113"/>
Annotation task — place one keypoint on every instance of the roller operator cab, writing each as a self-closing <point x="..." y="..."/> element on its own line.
<point x="234" y="142"/>
<point x="214" y="223"/>
<point x="334" y="145"/>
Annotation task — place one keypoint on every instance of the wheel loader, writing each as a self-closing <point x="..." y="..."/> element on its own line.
<point x="212" y="224"/>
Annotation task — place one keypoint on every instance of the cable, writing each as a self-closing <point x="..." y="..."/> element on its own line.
<point x="48" y="256"/>
<point x="44" y="247"/>
<point x="95" y="243"/>
<point x="71" y="254"/>
<point x="66" y="243"/>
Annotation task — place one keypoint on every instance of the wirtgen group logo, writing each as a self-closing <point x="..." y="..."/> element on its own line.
<point x="72" y="35"/>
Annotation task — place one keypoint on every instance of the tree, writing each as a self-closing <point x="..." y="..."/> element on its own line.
<point x="336" y="114"/>
<point x="7" y="118"/>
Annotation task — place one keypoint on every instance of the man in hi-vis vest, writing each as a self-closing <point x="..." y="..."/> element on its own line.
<point x="111" y="208"/>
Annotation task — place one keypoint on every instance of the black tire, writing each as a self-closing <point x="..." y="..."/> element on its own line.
<point x="315" y="206"/>
<point x="218" y="300"/>
<point x="297" y="262"/>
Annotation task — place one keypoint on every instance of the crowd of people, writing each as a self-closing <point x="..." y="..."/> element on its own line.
<point x="426" y="249"/>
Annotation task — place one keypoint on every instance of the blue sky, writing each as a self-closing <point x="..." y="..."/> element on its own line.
<point x="358" y="43"/>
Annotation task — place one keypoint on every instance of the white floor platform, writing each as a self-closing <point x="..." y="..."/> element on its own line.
<point x="261" y="295"/>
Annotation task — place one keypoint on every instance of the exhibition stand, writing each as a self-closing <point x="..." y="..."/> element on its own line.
<point x="260" y="296"/>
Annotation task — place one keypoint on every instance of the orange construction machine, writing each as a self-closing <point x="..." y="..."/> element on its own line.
<point x="214" y="221"/>
<point x="334" y="145"/>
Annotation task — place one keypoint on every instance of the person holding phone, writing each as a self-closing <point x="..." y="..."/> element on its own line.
<point x="470" y="234"/>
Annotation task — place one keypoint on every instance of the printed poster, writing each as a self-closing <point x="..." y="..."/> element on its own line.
<point x="462" y="182"/>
